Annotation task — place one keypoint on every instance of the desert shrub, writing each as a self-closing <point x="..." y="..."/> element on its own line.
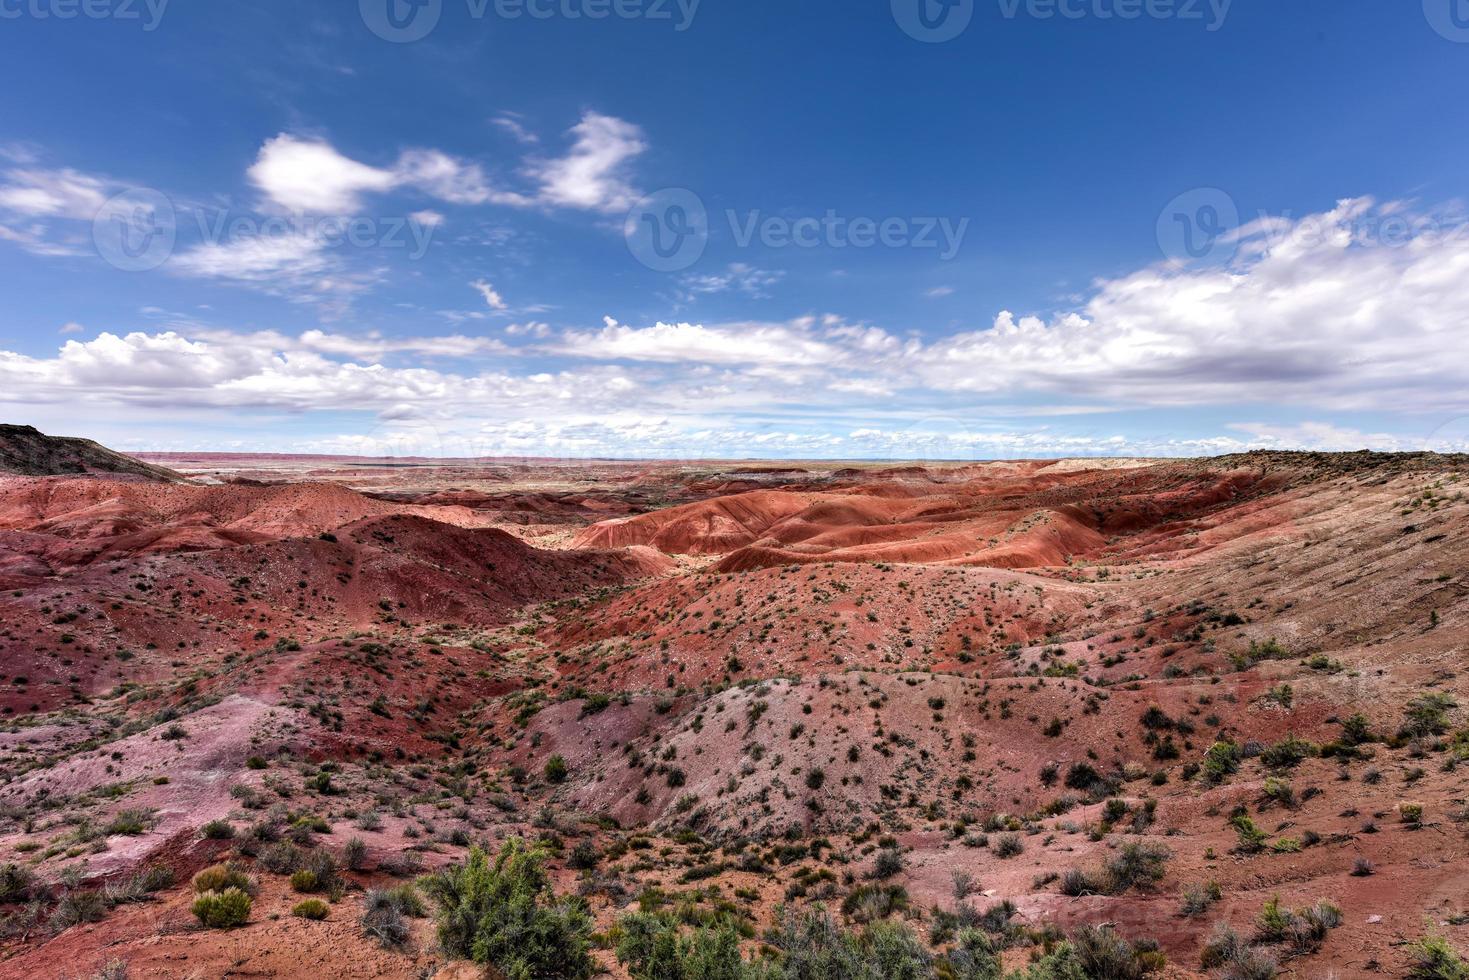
<point x="282" y="858"/>
<point x="556" y="769"/>
<point x="1277" y="790"/>
<point x="1105" y="955"/>
<point x="354" y="855"/>
<point x="130" y="823"/>
<point x="217" y="830"/>
<point x="1008" y="846"/>
<point x="222" y="910"/>
<point x="305" y="880"/>
<point x="220" y="877"/>
<point x="1136" y="865"/>
<point x="868" y="903"/>
<point x="1304" y="929"/>
<point x="889" y="861"/>
<point x="1076" y="882"/>
<point x="1250" y="963"/>
<point x="506" y="915"/>
<point x="973" y="957"/>
<point x="894" y="952"/>
<point x="1198" y="898"/>
<point x="1220" y="762"/>
<point x="585" y="855"/>
<point x="1251" y="838"/>
<point x="652" y="947"/>
<point x="1427" y="714"/>
<point x="1288" y="753"/>
<point x="814" y="946"/>
<point x="78" y="906"/>
<point x="1356" y="730"/>
<point x="1432" y="958"/>
<point x="386" y="912"/>
<point x="313" y="908"/>
<point x="16" y="883"/>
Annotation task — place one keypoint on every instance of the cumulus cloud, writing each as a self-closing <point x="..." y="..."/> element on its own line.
<point x="1326" y="315"/>
<point x="593" y="176"/>
<point x="1319" y="311"/>
<point x="760" y="344"/>
<point x="311" y="176"/>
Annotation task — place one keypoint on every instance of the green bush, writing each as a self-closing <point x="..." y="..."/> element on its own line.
<point x="217" y="830"/>
<point x="16" y="882"/>
<point x="1220" y="762"/>
<point x="1432" y="958"/>
<point x="223" y="910"/>
<point x="555" y="769"/>
<point x="507" y="916"/>
<point x="313" y="908"/>
<point x="220" y="877"/>
<point x="815" y="946"/>
<point x="651" y="946"/>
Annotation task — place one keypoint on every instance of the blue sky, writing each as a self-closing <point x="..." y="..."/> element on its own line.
<point x="1064" y="230"/>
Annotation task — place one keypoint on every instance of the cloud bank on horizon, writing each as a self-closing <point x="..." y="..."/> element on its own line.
<point x="383" y="295"/>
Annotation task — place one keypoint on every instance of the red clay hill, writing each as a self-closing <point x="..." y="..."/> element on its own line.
<point x="1022" y="698"/>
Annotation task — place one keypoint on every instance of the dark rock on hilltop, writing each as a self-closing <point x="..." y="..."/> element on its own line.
<point x="26" y="451"/>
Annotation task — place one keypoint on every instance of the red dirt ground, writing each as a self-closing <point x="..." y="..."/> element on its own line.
<point x="736" y="662"/>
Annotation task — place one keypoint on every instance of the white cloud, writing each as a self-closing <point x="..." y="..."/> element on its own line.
<point x="532" y="329"/>
<point x="738" y="277"/>
<point x="760" y="344"/>
<point x="1315" y="312"/>
<point x="939" y="292"/>
<point x="1325" y="437"/>
<point x="308" y="175"/>
<point x="492" y="298"/>
<point x="510" y="123"/>
<point x="449" y="179"/>
<point x="254" y="258"/>
<point x="1319" y="314"/>
<point x="70" y="328"/>
<point x="374" y="346"/>
<point x="53" y="193"/>
<point x="429" y="219"/>
<point x="593" y="176"/>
